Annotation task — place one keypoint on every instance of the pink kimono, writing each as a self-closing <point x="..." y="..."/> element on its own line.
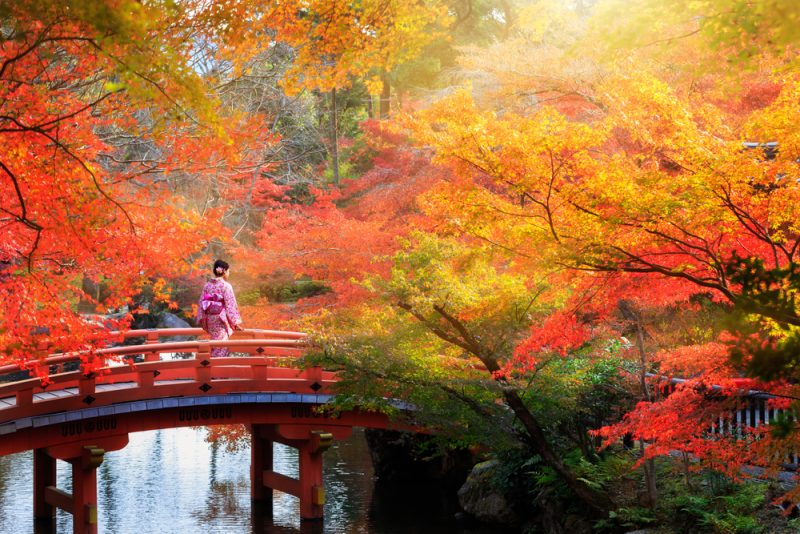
<point x="218" y="313"/>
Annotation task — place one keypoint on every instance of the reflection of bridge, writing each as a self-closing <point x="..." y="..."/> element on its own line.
<point x="80" y="414"/>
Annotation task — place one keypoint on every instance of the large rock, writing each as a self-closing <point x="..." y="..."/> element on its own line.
<point x="481" y="499"/>
<point x="170" y="320"/>
<point x="398" y="460"/>
<point x="411" y="469"/>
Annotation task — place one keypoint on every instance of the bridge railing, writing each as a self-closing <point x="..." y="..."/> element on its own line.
<point x="151" y="336"/>
<point x="115" y="374"/>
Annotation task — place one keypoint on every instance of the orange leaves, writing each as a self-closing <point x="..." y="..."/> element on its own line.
<point x="82" y="195"/>
<point x="687" y="361"/>
<point x="343" y="236"/>
<point x="559" y="333"/>
<point x="321" y="241"/>
<point x="334" y="42"/>
<point x="518" y="176"/>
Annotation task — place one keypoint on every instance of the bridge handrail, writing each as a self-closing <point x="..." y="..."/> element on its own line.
<point x="156" y="333"/>
<point x="280" y="339"/>
<point x="106" y="374"/>
<point x="259" y="370"/>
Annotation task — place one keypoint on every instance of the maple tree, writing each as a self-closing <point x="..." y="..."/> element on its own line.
<point x="626" y="183"/>
<point x="655" y="188"/>
<point x="110" y="118"/>
<point x="71" y="207"/>
<point x="340" y="235"/>
<point x="466" y="312"/>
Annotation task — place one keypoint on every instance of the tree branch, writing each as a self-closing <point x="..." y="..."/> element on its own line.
<point x="23" y="217"/>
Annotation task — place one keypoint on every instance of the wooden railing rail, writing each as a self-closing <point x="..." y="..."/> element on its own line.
<point x="240" y="340"/>
<point x="265" y="367"/>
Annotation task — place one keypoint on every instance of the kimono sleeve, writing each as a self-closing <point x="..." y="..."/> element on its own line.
<point x="231" y="308"/>
<point x="201" y="313"/>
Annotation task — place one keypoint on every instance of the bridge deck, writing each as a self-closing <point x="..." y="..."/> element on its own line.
<point x="11" y="402"/>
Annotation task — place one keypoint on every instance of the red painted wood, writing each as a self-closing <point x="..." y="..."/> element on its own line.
<point x="267" y="368"/>
<point x="44" y="475"/>
<point x="261" y="460"/>
<point x="243" y="345"/>
<point x="150" y="380"/>
<point x="302" y="432"/>
<point x="310" y="482"/>
<point x="84" y="499"/>
<point x="58" y="498"/>
<point x="76" y="450"/>
<point x="282" y="483"/>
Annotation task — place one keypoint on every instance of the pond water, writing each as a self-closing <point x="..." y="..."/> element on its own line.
<point x="173" y="481"/>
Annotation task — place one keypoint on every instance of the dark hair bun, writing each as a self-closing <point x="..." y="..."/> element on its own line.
<point x="220" y="267"/>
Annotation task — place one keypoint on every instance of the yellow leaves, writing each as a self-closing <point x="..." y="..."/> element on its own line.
<point x="780" y="121"/>
<point x="649" y="111"/>
<point x="723" y="36"/>
<point x="113" y="87"/>
<point x="350" y="40"/>
<point x="466" y="279"/>
<point x="374" y="85"/>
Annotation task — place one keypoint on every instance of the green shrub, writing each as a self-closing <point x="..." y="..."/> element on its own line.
<point x="626" y="518"/>
<point x="718" y="505"/>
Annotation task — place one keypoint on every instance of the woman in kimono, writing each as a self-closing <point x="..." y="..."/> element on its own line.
<point x="218" y="313"/>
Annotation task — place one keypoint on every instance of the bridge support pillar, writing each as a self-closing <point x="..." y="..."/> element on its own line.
<point x="308" y="487"/>
<point x="312" y="491"/>
<point x="84" y="490"/>
<point x="82" y="502"/>
<point x="44" y="475"/>
<point x="260" y="461"/>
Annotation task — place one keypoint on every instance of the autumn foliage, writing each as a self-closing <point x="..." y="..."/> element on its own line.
<point x="562" y="199"/>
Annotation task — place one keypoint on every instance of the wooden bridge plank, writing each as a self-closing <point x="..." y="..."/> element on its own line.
<point x="53" y="395"/>
<point x="116" y="386"/>
<point x="45" y="395"/>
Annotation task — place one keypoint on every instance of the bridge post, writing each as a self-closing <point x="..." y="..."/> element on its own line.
<point x="310" y="445"/>
<point x="84" y="490"/>
<point x="260" y="461"/>
<point x="312" y="490"/>
<point x="44" y="475"/>
<point x="82" y="502"/>
<point x="203" y="370"/>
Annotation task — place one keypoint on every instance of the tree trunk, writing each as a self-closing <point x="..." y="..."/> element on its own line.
<point x="632" y="314"/>
<point x="334" y="139"/>
<point x="386" y="94"/>
<point x="598" y="501"/>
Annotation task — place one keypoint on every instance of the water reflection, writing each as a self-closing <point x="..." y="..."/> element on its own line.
<point x="172" y="481"/>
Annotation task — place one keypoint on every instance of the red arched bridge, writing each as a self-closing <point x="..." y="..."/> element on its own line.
<point x="78" y="416"/>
